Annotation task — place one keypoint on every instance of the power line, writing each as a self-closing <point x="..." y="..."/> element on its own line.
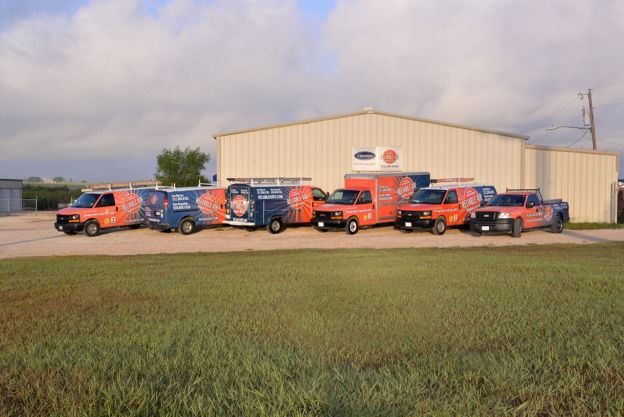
<point x="617" y="103"/>
<point x="578" y="140"/>
<point x="608" y="84"/>
<point x="612" y="143"/>
<point x="561" y="108"/>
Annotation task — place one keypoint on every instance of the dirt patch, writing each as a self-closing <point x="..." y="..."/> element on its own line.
<point x="34" y="235"/>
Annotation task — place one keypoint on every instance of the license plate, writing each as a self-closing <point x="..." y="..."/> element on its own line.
<point x="321" y="224"/>
<point x="485" y="227"/>
<point x="60" y="227"/>
<point x="408" y="224"/>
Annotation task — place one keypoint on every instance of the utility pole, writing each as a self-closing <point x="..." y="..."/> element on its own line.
<point x="592" y="125"/>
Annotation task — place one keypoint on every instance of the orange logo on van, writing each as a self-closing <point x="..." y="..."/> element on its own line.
<point x="239" y="205"/>
<point x="131" y="203"/>
<point x="390" y="157"/>
<point x="208" y="204"/>
<point x="406" y="188"/>
<point x="471" y="200"/>
<point x="296" y="199"/>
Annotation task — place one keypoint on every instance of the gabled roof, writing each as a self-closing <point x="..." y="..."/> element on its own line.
<point x="369" y="110"/>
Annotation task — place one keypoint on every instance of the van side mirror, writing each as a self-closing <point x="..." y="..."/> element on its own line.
<point x="531" y="204"/>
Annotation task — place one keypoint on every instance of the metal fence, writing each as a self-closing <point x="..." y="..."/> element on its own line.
<point x="15" y="206"/>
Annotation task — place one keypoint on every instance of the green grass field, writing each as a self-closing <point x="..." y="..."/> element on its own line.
<point x="535" y="331"/>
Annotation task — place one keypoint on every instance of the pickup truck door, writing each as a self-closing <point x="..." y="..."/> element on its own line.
<point x="535" y="216"/>
<point x="106" y="210"/>
<point x="365" y="209"/>
<point x="451" y="209"/>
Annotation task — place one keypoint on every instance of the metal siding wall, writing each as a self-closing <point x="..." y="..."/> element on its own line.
<point x="322" y="150"/>
<point x="585" y="180"/>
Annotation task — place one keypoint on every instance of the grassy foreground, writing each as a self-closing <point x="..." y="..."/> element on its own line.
<point x="532" y="330"/>
<point x="593" y="226"/>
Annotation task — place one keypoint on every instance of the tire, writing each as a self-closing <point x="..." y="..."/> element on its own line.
<point x="352" y="227"/>
<point x="135" y="226"/>
<point x="70" y="232"/>
<point x="439" y="227"/>
<point x="276" y="226"/>
<point x="557" y="226"/>
<point x="186" y="227"/>
<point x="92" y="228"/>
<point x="516" y="230"/>
<point x="406" y="230"/>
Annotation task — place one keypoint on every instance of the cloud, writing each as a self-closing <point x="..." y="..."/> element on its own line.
<point x="113" y="79"/>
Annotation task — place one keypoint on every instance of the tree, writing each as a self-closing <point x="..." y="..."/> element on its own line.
<point x="58" y="179"/>
<point x="34" y="179"/>
<point x="181" y="166"/>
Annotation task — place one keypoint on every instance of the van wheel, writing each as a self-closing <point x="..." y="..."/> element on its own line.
<point x="352" y="227"/>
<point x="557" y="226"/>
<point x="276" y="226"/>
<point x="516" y="230"/>
<point x="92" y="228"/>
<point x="187" y="226"/>
<point x="439" y="227"/>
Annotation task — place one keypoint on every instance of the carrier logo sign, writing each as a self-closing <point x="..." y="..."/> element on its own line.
<point x="239" y="205"/>
<point x="406" y="188"/>
<point x="131" y="203"/>
<point x="471" y="200"/>
<point x="207" y="203"/>
<point x="390" y="157"/>
<point x="296" y="199"/>
<point x="364" y="155"/>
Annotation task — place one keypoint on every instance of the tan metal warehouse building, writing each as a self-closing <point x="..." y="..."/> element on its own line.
<point x="323" y="149"/>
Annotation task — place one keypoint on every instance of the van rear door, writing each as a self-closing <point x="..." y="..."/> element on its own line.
<point x="155" y="206"/>
<point x="239" y="202"/>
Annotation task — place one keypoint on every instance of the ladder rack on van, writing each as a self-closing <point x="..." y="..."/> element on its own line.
<point x="526" y="190"/>
<point x="120" y="185"/>
<point x="271" y="180"/>
<point x="453" y="181"/>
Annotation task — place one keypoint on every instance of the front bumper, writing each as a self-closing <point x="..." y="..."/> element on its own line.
<point x="414" y="223"/>
<point x="500" y="225"/>
<point x="68" y="227"/>
<point x="328" y="224"/>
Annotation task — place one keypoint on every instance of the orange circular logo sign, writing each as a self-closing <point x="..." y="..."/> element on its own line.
<point x="296" y="199"/>
<point x="131" y="203"/>
<point x="207" y="203"/>
<point x="471" y="200"/>
<point x="390" y="156"/>
<point x="239" y="205"/>
<point x="406" y="188"/>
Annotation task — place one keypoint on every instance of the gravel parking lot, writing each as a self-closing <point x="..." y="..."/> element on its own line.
<point x="34" y="235"/>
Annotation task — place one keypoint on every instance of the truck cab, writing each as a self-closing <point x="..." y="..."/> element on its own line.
<point x="346" y="208"/>
<point x="96" y="210"/>
<point x="519" y="210"/>
<point x="367" y="199"/>
<point x="439" y="207"/>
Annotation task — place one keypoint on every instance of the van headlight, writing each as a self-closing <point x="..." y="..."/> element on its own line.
<point x="426" y="213"/>
<point x="503" y="216"/>
<point x="399" y="212"/>
<point x="473" y="215"/>
<point x="336" y="215"/>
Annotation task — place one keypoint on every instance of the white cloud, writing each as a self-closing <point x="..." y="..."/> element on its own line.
<point x="113" y="80"/>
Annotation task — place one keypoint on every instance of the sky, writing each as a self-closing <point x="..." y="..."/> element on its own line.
<point x="95" y="89"/>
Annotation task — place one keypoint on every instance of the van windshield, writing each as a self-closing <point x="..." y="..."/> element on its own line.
<point x="86" y="201"/>
<point x="507" y="200"/>
<point x="428" y="196"/>
<point x="345" y="197"/>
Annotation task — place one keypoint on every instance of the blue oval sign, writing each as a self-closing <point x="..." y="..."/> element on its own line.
<point x="364" y="155"/>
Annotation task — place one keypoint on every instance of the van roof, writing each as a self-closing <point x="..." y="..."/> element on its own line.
<point x="451" y="186"/>
<point x="203" y="187"/>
